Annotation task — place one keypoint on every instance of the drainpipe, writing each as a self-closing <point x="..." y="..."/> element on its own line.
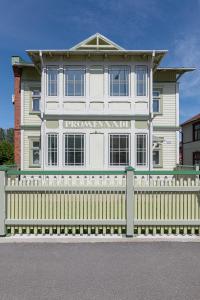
<point x="42" y="98"/>
<point x="151" y="112"/>
<point x="42" y="150"/>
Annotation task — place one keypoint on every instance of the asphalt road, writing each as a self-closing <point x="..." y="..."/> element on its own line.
<point x="156" y="271"/>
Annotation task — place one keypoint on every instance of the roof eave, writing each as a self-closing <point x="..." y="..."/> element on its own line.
<point x="159" y="54"/>
<point x="66" y="51"/>
<point x="21" y="65"/>
<point x="180" y="71"/>
<point x="189" y="122"/>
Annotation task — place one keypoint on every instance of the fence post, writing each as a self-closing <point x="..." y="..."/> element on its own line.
<point x="2" y="203"/>
<point x="129" y="202"/>
<point x="197" y="169"/>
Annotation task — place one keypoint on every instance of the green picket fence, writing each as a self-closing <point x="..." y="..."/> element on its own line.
<point x="127" y="202"/>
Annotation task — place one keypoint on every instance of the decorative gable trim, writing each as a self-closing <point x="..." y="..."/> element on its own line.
<point x="97" y="42"/>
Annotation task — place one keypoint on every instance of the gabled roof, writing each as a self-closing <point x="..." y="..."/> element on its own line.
<point x="96" y="45"/>
<point x="99" y="45"/>
<point x="193" y="119"/>
<point x="97" y="42"/>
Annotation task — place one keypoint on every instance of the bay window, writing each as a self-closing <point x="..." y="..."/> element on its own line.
<point x="119" y="81"/>
<point x="141" y="149"/>
<point x="52" y="144"/>
<point x="141" y="81"/>
<point x="52" y="80"/>
<point x="74" y="81"/>
<point x="119" y="149"/>
<point x="74" y="149"/>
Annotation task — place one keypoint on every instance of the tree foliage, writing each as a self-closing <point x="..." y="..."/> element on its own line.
<point x="6" y="146"/>
<point x="10" y="135"/>
<point x="6" y="153"/>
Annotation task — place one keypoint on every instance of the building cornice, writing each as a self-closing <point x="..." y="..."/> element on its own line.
<point x="96" y="117"/>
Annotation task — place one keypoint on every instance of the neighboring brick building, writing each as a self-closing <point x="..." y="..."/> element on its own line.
<point x="191" y="141"/>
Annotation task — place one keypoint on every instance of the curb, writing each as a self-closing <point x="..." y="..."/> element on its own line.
<point x="17" y="239"/>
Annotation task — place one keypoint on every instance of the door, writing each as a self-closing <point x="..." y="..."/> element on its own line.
<point x="96" y="151"/>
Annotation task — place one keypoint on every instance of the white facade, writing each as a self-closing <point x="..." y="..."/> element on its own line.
<point x="113" y="123"/>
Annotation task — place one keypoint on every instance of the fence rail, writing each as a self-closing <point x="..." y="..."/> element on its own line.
<point x="111" y="202"/>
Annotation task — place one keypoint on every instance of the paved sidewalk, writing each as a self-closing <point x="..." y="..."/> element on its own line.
<point x="103" y="270"/>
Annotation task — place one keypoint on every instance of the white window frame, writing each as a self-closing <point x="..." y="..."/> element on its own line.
<point x="35" y="97"/>
<point x="118" y="67"/>
<point x="74" y="67"/>
<point x="146" y="156"/>
<point x="159" y="98"/>
<point x="160" y="150"/>
<point x="129" y="148"/>
<point x="84" y="150"/>
<point x="54" y="67"/>
<point x="136" y="81"/>
<point x="31" y="148"/>
<point x="47" y="149"/>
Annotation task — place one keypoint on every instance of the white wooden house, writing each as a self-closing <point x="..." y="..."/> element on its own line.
<point x="96" y="106"/>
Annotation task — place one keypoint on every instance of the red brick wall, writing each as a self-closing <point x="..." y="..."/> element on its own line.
<point x="17" y="115"/>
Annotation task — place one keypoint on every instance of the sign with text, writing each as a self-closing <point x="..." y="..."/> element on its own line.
<point x="98" y="124"/>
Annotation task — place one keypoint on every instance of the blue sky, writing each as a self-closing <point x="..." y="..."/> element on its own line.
<point x="133" y="24"/>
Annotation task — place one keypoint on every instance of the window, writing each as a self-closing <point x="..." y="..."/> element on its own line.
<point x="74" y="150"/>
<point x="52" y="149"/>
<point x="74" y="81"/>
<point x="141" y="142"/>
<point x="157" y="155"/>
<point x="196" y="158"/>
<point x="157" y="101"/>
<point x="119" y="81"/>
<point x="35" y="101"/>
<point x="34" y="151"/>
<point x="141" y="79"/>
<point x="196" y="132"/>
<point x="119" y="150"/>
<point x="52" y="81"/>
